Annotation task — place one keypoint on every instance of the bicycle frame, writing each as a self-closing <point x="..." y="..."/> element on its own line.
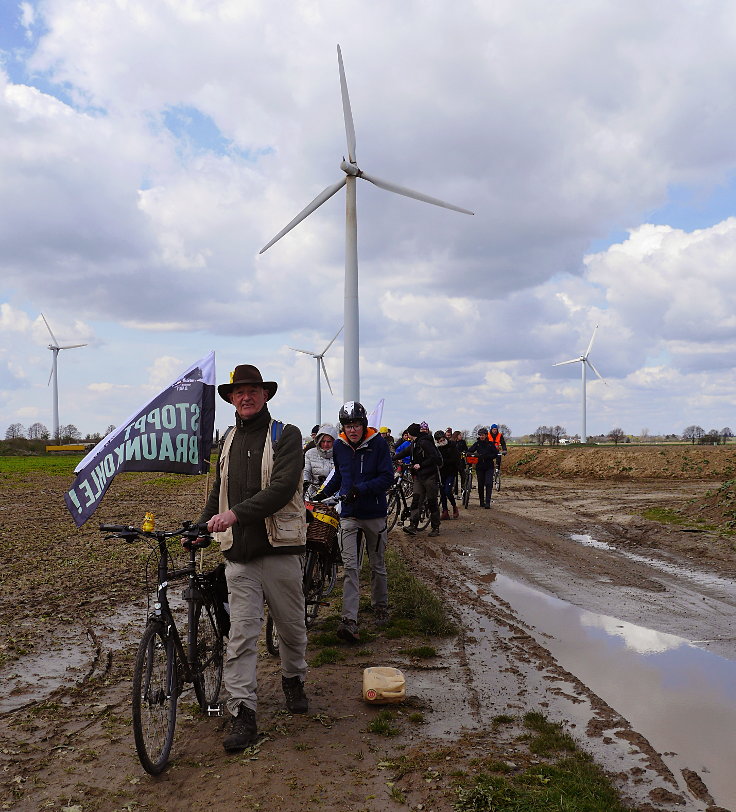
<point x="162" y="613"/>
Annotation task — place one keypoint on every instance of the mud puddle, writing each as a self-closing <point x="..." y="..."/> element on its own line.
<point x="70" y="656"/>
<point x="678" y="696"/>
<point x="726" y="586"/>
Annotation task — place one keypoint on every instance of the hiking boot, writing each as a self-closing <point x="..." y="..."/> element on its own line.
<point x="487" y="505"/>
<point x="243" y="732"/>
<point x="455" y="513"/>
<point x="435" y="531"/>
<point x="410" y="529"/>
<point x="348" y="631"/>
<point x="444" y="516"/>
<point x="382" y="618"/>
<point x="296" y="699"/>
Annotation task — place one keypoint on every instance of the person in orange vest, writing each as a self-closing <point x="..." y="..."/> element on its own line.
<point x="497" y="438"/>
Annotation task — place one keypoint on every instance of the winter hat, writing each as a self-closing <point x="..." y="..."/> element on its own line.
<point x="424" y="426"/>
<point x="414" y="430"/>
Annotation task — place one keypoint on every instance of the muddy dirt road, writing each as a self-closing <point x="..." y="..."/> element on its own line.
<point x="569" y="602"/>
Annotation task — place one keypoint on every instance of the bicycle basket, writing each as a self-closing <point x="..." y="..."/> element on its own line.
<point x="471" y="460"/>
<point x="322" y="530"/>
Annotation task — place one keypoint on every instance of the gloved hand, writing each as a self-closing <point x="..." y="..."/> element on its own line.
<point x="351" y="495"/>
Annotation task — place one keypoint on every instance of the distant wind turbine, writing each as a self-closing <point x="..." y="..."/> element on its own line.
<point x="583" y="361"/>
<point x="320" y="363"/>
<point x="351" y="382"/>
<point x="53" y="376"/>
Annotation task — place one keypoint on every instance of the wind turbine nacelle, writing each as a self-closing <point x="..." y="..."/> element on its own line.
<point x="350" y="169"/>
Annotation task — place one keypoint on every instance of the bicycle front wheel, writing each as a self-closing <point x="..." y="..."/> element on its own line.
<point x="497" y="479"/>
<point x="392" y="513"/>
<point x="468" y="487"/>
<point x="154" y="698"/>
<point x="208" y="649"/>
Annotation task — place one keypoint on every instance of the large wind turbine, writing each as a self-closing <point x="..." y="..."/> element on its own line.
<point x="320" y="363"/>
<point x="583" y="361"/>
<point x="55" y="348"/>
<point x="351" y="383"/>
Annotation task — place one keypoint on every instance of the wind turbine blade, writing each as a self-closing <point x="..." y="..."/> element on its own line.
<point x="402" y="190"/>
<point x="346" y="111"/>
<point x="71" y="346"/>
<point x="571" y="361"/>
<point x="324" y="369"/>
<point x="590" y="346"/>
<point x="51" y="374"/>
<point x="315" y="204"/>
<point x="306" y="352"/>
<point x="595" y="370"/>
<point x="331" y="343"/>
<point x="56" y="343"/>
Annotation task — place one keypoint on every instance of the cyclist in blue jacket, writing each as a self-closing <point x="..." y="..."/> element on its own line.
<point x="363" y="473"/>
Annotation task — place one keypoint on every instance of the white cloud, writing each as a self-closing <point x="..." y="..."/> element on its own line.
<point x="153" y="149"/>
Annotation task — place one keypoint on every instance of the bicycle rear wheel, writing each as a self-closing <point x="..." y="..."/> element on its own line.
<point x="154" y="698"/>
<point x="313" y="587"/>
<point x="497" y="479"/>
<point x="272" y="636"/>
<point x="424" y="517"/>
<point x="208" y="648"/>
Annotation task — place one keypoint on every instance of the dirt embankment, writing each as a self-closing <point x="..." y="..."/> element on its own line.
<point x="624" y="462"/>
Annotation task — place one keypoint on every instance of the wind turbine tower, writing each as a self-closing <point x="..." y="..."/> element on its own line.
<point x="351" y="382"/>
<point x="321" y="368"/>
<point x="583" y="361"/>
<point x="53" y="376"/>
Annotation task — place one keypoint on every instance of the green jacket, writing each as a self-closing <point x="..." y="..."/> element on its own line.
<point x="250" y="503"/>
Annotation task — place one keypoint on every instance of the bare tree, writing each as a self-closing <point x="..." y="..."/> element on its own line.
<point x="557" y="432"/>
<point x="37" y="431"/>
<point x="505" y="430"/>
<point x="725" y="434"/>
<point x="14" y="431"/>
<point x="70" y="432"/>
<point x="616" y="435"/>
<point x="544" y="434"/>
<point x="693" y="433"/>
<point x="109" y="429"/>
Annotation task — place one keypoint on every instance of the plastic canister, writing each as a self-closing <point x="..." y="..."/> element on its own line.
<point x="382" y="685"/>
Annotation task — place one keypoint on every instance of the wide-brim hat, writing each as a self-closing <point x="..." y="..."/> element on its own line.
<point x="246" y="374"/>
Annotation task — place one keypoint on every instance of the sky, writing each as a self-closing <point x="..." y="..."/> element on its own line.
<point x="151" y="148"/>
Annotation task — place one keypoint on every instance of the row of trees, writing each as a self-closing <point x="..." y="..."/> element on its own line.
<point x="37" y="431"/>
<point x="551" y="435"/>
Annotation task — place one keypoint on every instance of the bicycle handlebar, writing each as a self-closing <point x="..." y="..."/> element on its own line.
<point x="195" y="536"/>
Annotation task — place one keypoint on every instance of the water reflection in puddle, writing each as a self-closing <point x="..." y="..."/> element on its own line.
<point x="681" y="698"/>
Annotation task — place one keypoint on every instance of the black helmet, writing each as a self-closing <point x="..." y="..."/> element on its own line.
<point x="352" y="411"/>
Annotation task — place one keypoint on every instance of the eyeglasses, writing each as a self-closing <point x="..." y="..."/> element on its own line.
<point x="353" y="426"/>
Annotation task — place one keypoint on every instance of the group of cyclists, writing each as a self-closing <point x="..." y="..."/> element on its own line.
<point x="437" y="462"/>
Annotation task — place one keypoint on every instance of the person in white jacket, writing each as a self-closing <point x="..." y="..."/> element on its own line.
<point x="318" y="462"/>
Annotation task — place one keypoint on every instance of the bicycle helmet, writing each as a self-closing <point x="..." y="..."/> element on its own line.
<point x="353" y="411"/>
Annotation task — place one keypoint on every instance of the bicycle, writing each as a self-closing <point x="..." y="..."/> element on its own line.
<point x="320" y="567"/>
<point x="398" y="504"/>
<point x="468" y="483"/>
<point x="162" y="664"/>
<point x="497" y="475"/>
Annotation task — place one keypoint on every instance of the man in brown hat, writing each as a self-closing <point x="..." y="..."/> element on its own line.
<point x="256" y="511"/>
